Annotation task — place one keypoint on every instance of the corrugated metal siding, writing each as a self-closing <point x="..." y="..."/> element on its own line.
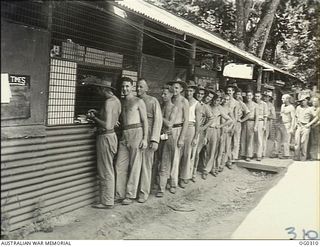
<point x="59" y="170"/>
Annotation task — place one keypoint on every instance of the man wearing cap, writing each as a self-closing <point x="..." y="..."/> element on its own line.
<point x="169" y="139"/>
<point x="134" y="140"/>
<point x="260" y="128"/>
<point x="154" y="127"/>
<point x="107" y="142"/>
<point x="179" y="129"/>
<point x="304" y="115"/>
<point x="241" y="112"/>
<point x="250" y="122"/>
<point x="213" y="135"/>
<point x="271" y="115"/>
<point x="205" y="121"/>
<point x="192" y="135"/>
<point x="286" y="124"/>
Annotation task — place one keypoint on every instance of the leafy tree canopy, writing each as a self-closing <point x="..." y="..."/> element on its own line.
<point x="283" y="32"/>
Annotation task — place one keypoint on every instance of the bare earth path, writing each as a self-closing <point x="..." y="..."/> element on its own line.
<point x="207" y="209"/>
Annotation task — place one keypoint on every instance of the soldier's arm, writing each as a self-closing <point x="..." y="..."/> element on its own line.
<point x="265" y="115"/>
<point x="143" y="117"/>
<point x="293" y="119"/>
<point x="101" y="123"/>
<point x="232" y="124"/>
<point x="209" y="117"/>
<point x="245" y="110"/>
<point x="185" y="108"/>
<point x="157" y="122"/>
<point x="315" y="119"/>
<point x="256" y="118"/>
<point x="198" y="119"/>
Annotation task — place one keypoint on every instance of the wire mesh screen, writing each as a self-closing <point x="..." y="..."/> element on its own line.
<point x="32" y="13"/>
<point x="90" y="35"/>
<point x="62" y="88"/>
<point x="88" y="44"/>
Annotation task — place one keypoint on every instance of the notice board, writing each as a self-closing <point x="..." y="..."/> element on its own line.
<point x="19" y="104"/>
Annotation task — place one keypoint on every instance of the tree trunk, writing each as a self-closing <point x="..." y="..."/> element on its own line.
<point x="243" y="8"/>
<point x="258" y="40"/>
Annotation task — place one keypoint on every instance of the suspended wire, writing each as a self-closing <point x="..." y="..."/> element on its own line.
<point x="136" y="26"/>
<point x="171" y="45"/>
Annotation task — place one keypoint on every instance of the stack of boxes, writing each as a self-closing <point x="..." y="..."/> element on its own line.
<point x="113" y="59"/>
<point x="76" y="52"/>
<point x="94" y="56"/>
<point x="72" y="51"/>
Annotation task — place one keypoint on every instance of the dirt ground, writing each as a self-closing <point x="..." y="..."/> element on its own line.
<point x="207" y="209"/>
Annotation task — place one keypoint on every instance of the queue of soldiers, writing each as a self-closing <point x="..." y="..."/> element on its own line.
<point x="166" y="145"/>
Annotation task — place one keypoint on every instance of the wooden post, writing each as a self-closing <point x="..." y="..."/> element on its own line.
<point x="193" y="58"/>
<point x="174" y="51"/>
<point x="259" y="79"/>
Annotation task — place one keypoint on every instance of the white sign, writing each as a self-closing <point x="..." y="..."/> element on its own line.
<point x="5" y="88"/>
<point x="235" y="70"/>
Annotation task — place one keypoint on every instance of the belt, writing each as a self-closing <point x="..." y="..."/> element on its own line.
<point x="132" y="126"/>
<point x="191" y="124"/>
<point x="104" y="131"/>
<point x="177" y="125"/>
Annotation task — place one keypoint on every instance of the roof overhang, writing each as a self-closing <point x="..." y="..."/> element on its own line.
<point x="179" y="25"/>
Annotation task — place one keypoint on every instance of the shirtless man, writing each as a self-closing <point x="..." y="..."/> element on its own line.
<point x="170" y="136"/>
<point x="213" y="135"/>
<point x="240" y="112"/>
<point x="134" y="140"/>
<point x="192" y="135"/>
<point x="179" y="129"/>
<point x="205" y="121"/>
<point x="234" y="106"/>
<point x="107" y="142"/>
<point x="224" y="155"/>
<point x="154" y="123"/>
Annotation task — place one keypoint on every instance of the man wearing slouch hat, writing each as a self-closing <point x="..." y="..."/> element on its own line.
<point x="107" y="142"/>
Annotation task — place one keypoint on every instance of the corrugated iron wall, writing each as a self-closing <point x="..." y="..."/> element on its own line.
<point x="58" y="171"/>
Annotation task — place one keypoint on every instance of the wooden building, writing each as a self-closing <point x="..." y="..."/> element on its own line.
<point x="49" y="51"/>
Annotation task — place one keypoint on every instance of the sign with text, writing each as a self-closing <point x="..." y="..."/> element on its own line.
<point x="235" y="70"/>
<point x="18" y="107"/>
<point x="19" y="80"/>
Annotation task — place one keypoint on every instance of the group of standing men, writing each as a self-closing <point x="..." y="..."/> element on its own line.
<point x="202" y="130"/>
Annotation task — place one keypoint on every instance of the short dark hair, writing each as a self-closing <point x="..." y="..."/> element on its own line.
<point x="126" y="79"/>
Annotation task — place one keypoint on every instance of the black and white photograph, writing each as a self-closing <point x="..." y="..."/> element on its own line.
<point x="160" y="120"/>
